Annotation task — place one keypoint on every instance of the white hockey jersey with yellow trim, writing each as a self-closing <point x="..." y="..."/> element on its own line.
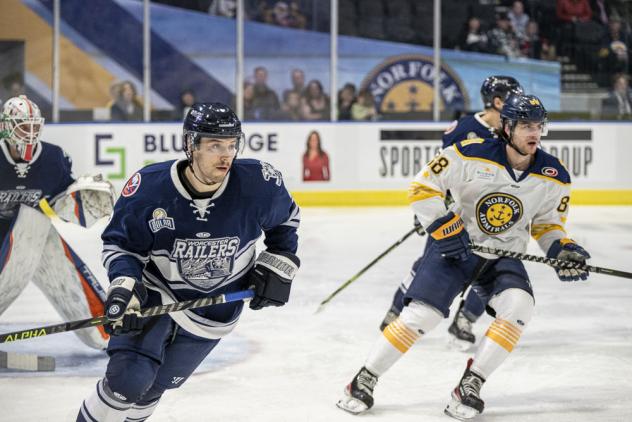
<point x="499" y="206"/>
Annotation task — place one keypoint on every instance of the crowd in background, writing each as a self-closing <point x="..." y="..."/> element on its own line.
<point x="594" y="34"/>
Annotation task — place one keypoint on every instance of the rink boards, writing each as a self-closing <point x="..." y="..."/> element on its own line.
<point x="370" y="163"/>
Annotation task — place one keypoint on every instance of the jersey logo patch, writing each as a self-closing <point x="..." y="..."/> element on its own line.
<point x="549" y="171"/>
<point x="204" y="263"/>
<point x="498" y="212"/>
<point x="160" y="221"/>
<point x="22" y="169"/>
<point x="270" y="172"/>
<point x="132" y="185"/>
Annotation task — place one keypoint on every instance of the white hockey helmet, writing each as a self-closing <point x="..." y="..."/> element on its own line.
<point x="21" y="123"/>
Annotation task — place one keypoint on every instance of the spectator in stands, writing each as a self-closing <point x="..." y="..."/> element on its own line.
<point x="265" y="102"/>
<point x="249" y="97"/>
<point x="572" y="11"/>
<point x="297" y="77"/>
<point x="502" y="39"/>
<point x="364" y="107"/>
<point x="518" y="19"/>
<point x="473" y="39"/>
<point x="127" y="106"/>
<point x="279" y="15"/>
<point x="601" y="11"/>
<point x="291" y="107"/>
<point x="315" y="103"/>
<point x="227" y="8"/>
<point x="297" y="18"/>
<point x="187" y="99"/>
<point x="618" y="105"/>
<point x="315" y="160"/>
<point x="346" y="99"/>
<point x="534" y="46"/>
<point x="615" y="51"/>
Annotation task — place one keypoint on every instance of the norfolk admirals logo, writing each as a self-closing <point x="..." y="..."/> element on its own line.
<point x="403" y="84"/>
<point x="204" y="263"/>
<point x="498" y="212"/>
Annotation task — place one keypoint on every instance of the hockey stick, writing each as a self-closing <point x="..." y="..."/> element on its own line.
<point x="369" y="265"/>
<point x="148" y="312"/>
<point x="551" y="261"/>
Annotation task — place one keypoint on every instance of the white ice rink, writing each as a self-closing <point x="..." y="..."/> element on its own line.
<point x="573" y="363"/>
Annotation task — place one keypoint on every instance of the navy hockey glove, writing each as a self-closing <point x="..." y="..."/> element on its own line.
<point x="122" y="305"/>
<point x="451" y="237"/>
<point x="271" y="278"/>
<point x="567" y="250"/>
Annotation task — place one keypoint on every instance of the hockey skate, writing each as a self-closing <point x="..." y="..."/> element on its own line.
<point x="390" y="316"/>
<point x="466" y="402"/>
<point x="359" y="393"/>
<point x="460" y="330"/>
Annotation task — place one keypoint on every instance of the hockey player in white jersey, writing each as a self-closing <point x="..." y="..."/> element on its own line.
<point x="31" y="250"/>
<point x="182" y="230"/>
<point x="503" y="192"/>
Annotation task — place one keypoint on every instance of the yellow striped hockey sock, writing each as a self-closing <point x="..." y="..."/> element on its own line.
<point x="395" y="340"/>
<point x="500" y="339"/>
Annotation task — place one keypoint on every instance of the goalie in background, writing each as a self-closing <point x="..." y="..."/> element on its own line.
<point x="31" y="249"/>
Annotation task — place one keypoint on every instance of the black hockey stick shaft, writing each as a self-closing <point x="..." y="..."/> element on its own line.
<point x="416" y="229"/>
<point x="148" y="312"/>
<point x="551" y="261"/>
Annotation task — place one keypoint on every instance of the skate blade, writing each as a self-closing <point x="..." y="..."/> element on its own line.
<point x="460" y="345"/>
<point x="352" y="405"/>
<point x="459" y="411"/>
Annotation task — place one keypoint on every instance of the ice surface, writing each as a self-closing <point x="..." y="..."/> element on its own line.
<point x="574" y="362"/>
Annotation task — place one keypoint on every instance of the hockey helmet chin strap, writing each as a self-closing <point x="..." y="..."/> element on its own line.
<point x="508" y="139"/>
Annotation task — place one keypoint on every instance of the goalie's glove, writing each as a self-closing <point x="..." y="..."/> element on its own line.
<point x="122" y="306"/>
<point x="451" y="237"/>
<point x="271" y="278"/>
<point x="567" y="250"/>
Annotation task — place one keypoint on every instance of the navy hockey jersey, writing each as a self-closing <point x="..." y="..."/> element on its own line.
<point x="467" y="127"/>
<point x="184" y="248"/>
<point x="47" y="175"/>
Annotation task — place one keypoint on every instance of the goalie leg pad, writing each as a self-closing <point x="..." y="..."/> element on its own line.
<point x="21" y="250"/>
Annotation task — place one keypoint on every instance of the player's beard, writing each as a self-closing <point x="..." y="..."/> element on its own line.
<point x="206" y="177"/>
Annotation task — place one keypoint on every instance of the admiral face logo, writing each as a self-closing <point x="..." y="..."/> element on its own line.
<point x="405" y="83"/>
<point x="498" y="212"/>
<point x="549" y="171"/>
<point x="132" y="185"/>
<point x="204" y="263"/>
<point x="160" y="221"/>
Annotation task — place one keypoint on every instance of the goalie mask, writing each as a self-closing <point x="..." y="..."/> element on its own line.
<point x="210" y="120"/>
<point x="21" y="125"/>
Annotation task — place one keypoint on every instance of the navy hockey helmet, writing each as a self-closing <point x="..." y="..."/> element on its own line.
<point x="499" y="86"/>
<point x="522" y="108"/>
<point x="210" y="120"/>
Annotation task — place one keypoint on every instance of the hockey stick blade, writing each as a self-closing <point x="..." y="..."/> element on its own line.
<point x="344" y="285"/>
<point x="148" y="312"/>
<point x="551" y="261"/>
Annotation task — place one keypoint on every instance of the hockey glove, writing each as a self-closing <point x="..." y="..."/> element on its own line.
<point x="271" y="278"/>
<point x="122" y="305"/>
<point x="567" y="250"/>
<point x="451" y="237"/>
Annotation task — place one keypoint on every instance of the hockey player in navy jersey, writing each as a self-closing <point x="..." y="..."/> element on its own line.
<point x="484" y="124"/>
<point x="181" y="230"/>
<point x="31" y="250"/>
<point x="504" y="192"/>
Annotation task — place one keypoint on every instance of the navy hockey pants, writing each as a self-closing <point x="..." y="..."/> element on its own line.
<point x="162" y="357"/>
